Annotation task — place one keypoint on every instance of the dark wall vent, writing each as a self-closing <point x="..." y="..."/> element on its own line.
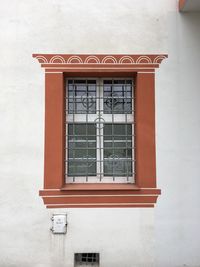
<point x="86" y="259"/>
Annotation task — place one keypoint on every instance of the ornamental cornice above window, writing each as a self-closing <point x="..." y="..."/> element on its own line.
<point x="99" y="60"/>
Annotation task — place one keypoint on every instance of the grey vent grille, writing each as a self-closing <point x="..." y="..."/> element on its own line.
<point x="86" y="259"/>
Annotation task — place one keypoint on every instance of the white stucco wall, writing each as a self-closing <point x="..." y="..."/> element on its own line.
<point x="166" y="236"/>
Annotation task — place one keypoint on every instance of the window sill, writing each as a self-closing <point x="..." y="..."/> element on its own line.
<point x="99" y="187"/>
<point x="100" y="195"/>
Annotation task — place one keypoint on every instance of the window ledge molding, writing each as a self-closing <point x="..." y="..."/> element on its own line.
<point x="57" y="194"/>
<point x="93" y="197"/>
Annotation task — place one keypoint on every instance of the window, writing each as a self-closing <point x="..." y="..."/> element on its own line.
<point x="99" y="130"/>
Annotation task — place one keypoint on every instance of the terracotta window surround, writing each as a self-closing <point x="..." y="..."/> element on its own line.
<point x="57" y="193"/>
<point x="181" y="5"/>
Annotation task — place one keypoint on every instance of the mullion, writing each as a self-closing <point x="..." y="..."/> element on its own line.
<point x="126" y="164"/>
<point x="97" y="134"/>
<point x="112" y="131"/>
<point x="130" y="163"/>
<point x="73" y="126"/>
<point x="100" y="131"/>
<point x="133" y="132"/>
<point x="67" y="111"/>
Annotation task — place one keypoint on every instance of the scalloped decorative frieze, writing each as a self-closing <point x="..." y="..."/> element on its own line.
<point x="99" y="59"/>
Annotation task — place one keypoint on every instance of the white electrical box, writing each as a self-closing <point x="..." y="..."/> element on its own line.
<point x="59" y="223"/>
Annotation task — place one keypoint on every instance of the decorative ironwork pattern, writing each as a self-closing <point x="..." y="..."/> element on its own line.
<point x="100" y="130"/>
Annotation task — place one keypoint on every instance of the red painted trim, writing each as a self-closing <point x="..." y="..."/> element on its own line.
<point x="118" y="71"/>
<point x="57" y="194"/>
<point x="145" y="131"/>
<point x="117" y="65"/>
<point x="101" y="206"/>
<point x="83" y="59"/>
<point x="99" y="200"/>
<point x="181" y="5"/>
<point x="96" y="192"/>
<point x="54" y="131"/>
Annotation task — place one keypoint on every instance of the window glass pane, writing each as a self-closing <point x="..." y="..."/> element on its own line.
<point x="118" y="150"/>
<point x="81" y="168"/>
<point x="108" y="153"/>
<point x="76" y="129"/>
<point x="122" y="129"/>
<point x="78" y="144"/>
<point x="107" y="130"/>
<point x="119" y="81"/>
<point x="80" y="129"/>
<point x="117" y="153"/>
<point x="117" y="130"/>
<point x="81" y="138"/>
<point x="117" y="96"/>
<point x="91" y="168"/>
<point x="82" y="96"/>
<point x="82" y="149"/>
<point x="121" y="153"/>
<point x="82" y="153"/>
<point x="91" y="129"/>
<point x="118" y="168"/>
<point x="117" y="144"/>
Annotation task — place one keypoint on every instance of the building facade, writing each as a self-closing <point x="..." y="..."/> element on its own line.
<point x="163" y="236"/>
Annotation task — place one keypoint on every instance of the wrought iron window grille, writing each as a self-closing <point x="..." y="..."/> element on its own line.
<point x="100" y="130"/>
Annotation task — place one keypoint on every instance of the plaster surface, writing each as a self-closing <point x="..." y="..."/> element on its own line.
<point x="166" y="236"/>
